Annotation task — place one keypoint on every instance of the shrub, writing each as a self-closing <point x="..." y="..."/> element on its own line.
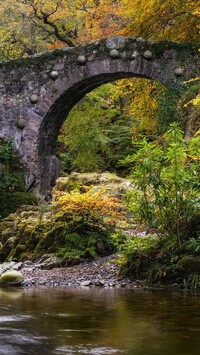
<point x="91" y="218"/>
<point x="94" y="208"/>
<point x="166" y="174"/>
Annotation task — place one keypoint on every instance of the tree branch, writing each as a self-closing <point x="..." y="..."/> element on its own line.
<point x="45" y="18"/>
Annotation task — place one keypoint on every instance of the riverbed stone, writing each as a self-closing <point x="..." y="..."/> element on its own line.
<point x="98" y="282"/>
<point x="26" y="283"/>
<point x="49" y="261"/>
<point x="11" y="277"/>
<point x="86" y="283"/>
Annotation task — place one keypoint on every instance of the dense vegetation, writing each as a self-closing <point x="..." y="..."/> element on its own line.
<point x="131" y="132"/>
<point x="119" y="114"/>
<point x="12" y="184"/>
<point x="166" y="174"/>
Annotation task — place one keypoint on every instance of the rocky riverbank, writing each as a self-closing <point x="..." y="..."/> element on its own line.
<point x="103" y="272"/>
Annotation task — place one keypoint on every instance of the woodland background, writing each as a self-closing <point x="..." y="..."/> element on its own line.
<point x="118" y="113"/>
<point x="136" y="128"/>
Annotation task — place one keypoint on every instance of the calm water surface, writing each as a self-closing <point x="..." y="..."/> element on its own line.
<point x="98" y="321"/>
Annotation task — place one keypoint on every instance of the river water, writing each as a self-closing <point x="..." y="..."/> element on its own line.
<point x="98" y="321"/>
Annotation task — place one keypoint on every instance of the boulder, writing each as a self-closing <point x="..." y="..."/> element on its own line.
<point x="107" y="182"/>
<point x="12" y="277"/>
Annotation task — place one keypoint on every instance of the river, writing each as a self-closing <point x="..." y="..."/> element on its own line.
<point x="98" y="321"/>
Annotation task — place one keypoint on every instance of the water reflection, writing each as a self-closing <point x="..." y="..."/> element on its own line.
<point x="98" y="321"/>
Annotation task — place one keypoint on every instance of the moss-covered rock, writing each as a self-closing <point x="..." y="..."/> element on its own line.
<point x="110" y="183"/>
<point x="6" y="248"/>
<point x="16" y="253"/>
<point x="30" y="233"/>
<point x="11" y="201"/>
<point x="13" y="278"/>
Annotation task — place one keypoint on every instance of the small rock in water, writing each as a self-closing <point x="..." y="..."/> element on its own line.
<point x="42" y="282"/>
<point x="123" y="284"/>
<point x="26" y="284"/>
<point x="86" y="283"/>
<point x="175" y="286"/>
<point x="28" y="263"/>
<point x="98" y="283"/>
<point x="112" y="284"/>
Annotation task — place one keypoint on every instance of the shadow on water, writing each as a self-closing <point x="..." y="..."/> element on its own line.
<point x="98" y="321"/>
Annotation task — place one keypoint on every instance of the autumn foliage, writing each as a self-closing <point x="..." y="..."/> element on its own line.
<point x="93" y="208"/>
<point x="90" y="218"/>
<point x="32" y="26"/>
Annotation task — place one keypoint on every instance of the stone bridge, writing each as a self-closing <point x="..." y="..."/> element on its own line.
<point x="38" y="92"/>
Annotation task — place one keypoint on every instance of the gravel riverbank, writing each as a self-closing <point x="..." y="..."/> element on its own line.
<point x="103" y="272"/>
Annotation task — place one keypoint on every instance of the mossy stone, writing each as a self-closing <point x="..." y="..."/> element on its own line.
<point x="6" y="248"/>
<point x="11" y="201"/>
<point x="11" y="278"/>
<point x="52" y="240"/>
<point x="18" y="251"/>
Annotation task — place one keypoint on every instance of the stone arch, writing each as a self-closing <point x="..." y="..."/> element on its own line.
<point x="87" y="79"/>
<point x="44" y="88"/>
<point x="60" y="108"/>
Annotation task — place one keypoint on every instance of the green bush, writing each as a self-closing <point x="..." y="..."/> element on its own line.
<point x="166" y="174"/>
<point x="10" y="170"/>
<point x="97" y="134"/>
<point x="161" y="260"/>
<point x="12" y="183"/>
<point x="166" y="198"/>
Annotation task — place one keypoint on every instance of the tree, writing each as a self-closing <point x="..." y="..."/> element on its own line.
<point x="39" y="25"/>
<point x="163" y="19"/>
<point x="42" y="25"/>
